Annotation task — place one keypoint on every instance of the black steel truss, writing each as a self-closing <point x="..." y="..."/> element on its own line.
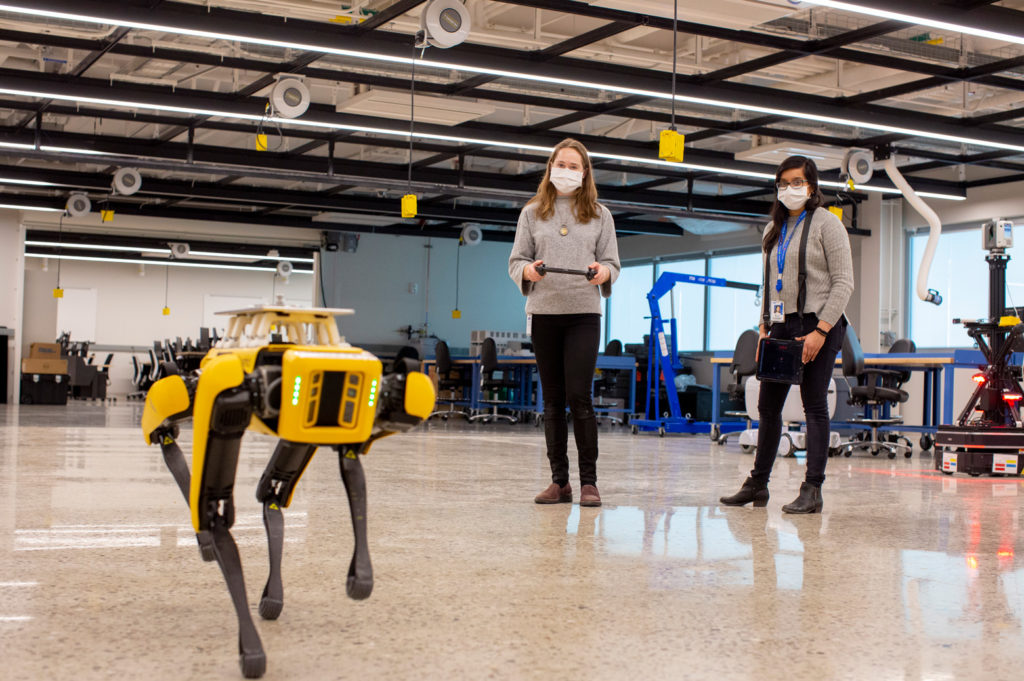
<point x="641" y="198"/>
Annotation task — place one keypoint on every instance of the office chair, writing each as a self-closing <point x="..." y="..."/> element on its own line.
<point x="443" y="364"/>
<point x="872" y="389"/>
<point x="743" y="366"/>
<point x="608" y="383"/>
<point x="140" y="377"/>
<point x="103" y="379"/>
<point x="488" y="381"/>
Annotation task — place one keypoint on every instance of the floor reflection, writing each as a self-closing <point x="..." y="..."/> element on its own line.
<point x="907" y="575"/>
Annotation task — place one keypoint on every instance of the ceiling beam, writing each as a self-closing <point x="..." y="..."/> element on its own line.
<point x="390" y="13"/>
<point x="262" y="26"/>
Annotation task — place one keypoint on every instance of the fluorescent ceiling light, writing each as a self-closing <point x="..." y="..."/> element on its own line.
<point x="91" y="247"/>
<point x="33" y="183"/>
<point x="169" y="263"/>
<point x="405" y="133"/>
<point x="888" y="190"/>
<point x="918" y="21"/>
<point x="864" y="124"/>
<point x="157" y="252"/>
<point x="248" y="257"/>
<point x="43" y="209"/>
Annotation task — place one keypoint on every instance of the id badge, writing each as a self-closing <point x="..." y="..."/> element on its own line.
<point x="778" y="313"/>
<point x="529" y="325"/>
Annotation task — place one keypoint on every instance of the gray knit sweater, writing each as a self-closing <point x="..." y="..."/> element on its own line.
<point x="583" y="244"/>
<point x="829" y="267"/>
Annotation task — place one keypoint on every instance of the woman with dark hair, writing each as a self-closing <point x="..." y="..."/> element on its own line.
<point x="809" y="309"/>
<point x="564" y="226"/>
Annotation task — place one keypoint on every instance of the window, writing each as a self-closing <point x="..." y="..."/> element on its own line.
<point x="627" y="308"/>
<point x="960" y="274"/>
<point x="732" y="310"/>
<point x="686" y="301"/>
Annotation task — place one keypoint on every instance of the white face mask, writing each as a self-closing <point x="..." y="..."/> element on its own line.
<point x="793" y="198"/>
<point x="566" y="180"/>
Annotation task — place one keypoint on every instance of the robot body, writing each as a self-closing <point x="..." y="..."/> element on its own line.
<point x="315" y="390"/>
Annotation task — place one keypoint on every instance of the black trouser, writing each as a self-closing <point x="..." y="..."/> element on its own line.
<point x="566" y="349"/>
<point x="813" y="393"/>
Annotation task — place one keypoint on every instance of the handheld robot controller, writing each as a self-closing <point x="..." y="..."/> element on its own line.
<point x="313" y="389"/>
<point x="589" y="273"/>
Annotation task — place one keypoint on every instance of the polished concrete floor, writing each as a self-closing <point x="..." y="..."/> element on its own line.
<point x="907" y="574"/>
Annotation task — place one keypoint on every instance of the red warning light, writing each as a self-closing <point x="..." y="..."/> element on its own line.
<point x="978" y="378"/>
<point x="1012" y="397"/>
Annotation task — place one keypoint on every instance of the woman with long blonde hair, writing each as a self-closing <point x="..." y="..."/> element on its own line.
<point x="563" y="226"/>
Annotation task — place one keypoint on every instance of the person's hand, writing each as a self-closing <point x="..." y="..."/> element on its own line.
<point x="603" y="273"/>
<point x="761" y="335"/>
<point x="530" y="272"/>
<point x="812" y="345"/>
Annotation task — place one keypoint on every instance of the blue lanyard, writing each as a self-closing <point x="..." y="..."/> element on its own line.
<point x="783" y="246"/>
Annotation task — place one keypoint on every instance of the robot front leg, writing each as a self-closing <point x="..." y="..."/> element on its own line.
<point x="213" y="510"/>
<point x="275" y="491"/>
<point x="360" y="571"/>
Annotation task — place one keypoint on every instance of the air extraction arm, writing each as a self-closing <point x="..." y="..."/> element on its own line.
<point x="929" y="295"/>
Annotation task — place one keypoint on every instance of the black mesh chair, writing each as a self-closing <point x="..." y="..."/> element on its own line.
<point x="445" y="382"/>
<point x="873" y="389"/>
<point x="742" y="367"/>
<point x="140" y="379"/>
<point x="102" y="379"/>
<point x="493" y="380"/>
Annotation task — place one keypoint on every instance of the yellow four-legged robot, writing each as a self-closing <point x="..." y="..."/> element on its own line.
<point x="284" y="372"/>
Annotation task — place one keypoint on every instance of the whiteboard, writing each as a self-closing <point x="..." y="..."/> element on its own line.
<point x="76" y="313"/>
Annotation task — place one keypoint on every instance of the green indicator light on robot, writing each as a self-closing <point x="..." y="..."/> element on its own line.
<point x="373" y="392"/>
<point x="296" y="390"/>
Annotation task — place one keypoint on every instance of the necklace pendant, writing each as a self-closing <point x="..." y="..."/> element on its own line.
<point x="564" y="230"/>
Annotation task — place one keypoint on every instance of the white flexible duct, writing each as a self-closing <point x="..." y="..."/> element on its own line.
<point x="923" y="292"/>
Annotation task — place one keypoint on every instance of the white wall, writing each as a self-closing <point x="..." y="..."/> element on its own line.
<point x="129" y="306"/>
<point x="12" y="237"/>
<point x="386" y="282"/>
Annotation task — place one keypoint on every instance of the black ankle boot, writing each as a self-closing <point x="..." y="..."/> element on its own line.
<point x="752" y="490"/>
<point x="809" y="500"/>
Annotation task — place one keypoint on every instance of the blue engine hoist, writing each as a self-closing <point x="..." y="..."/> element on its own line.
<point x="665" y="349"/>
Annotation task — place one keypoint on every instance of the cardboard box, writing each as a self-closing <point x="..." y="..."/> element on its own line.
<point x="44" y="350"/>
<point x="44" y="366"/>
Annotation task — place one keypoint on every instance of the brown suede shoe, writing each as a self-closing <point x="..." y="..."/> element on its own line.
<point x="589" y="496"/>
<point x="555" y="495"/>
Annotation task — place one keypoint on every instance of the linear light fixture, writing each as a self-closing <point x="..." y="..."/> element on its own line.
<point x="160" y="251"/>
<point x="169" y="263"/>
<point x="32" y="183"/>
<point x="42" y="209"/>
<point x="421" y="135"/>
<point x="91" y="247"/>
<point x="864" y="124"/>
<point x="45" y="147"/>
<point x="918" y="21"/>
<point x="249" y="257"/>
